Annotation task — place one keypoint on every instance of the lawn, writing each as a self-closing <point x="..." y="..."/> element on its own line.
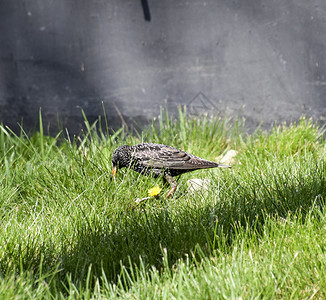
<point x="68" y="230"/>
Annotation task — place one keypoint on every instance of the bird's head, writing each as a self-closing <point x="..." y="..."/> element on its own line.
<point x="120" y="158"/>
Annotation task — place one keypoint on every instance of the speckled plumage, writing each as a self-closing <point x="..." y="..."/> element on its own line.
<point x="159" y="160"/>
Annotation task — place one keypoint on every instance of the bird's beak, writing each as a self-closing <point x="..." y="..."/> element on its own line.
<point x="114" y="171"/>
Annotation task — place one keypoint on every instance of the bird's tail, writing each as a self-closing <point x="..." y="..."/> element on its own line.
<point x="224" y="166"/>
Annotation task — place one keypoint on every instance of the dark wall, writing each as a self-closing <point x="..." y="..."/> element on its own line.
<point x="264" y="57"/>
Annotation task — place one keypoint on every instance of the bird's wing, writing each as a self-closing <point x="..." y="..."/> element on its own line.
<point x="171" y="158"/>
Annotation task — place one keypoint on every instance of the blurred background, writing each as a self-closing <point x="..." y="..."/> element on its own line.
<point x="262" y="59"/>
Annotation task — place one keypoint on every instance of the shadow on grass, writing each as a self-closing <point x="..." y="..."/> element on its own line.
<point x="146" y="232"/>
<point x="140" y="235"/>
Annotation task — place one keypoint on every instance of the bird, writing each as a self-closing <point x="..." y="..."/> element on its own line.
<point x="159" y="160"/>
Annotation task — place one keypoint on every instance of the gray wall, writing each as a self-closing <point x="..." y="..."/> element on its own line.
<point x="265" y="58"/>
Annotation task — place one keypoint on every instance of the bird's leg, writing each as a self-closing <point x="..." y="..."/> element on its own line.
<point x="172" y="182"/>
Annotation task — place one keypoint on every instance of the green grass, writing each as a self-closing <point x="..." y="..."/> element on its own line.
<point x="69" y="231"/>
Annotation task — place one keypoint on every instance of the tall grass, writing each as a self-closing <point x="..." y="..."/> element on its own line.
<point x="69" y="230"/>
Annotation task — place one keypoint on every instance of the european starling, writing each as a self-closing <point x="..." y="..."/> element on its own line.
<point x="159" y="160"/>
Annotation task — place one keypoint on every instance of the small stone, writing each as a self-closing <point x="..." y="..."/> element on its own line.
<point x="196" y="184"/>
<point x="229" y="157"/>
